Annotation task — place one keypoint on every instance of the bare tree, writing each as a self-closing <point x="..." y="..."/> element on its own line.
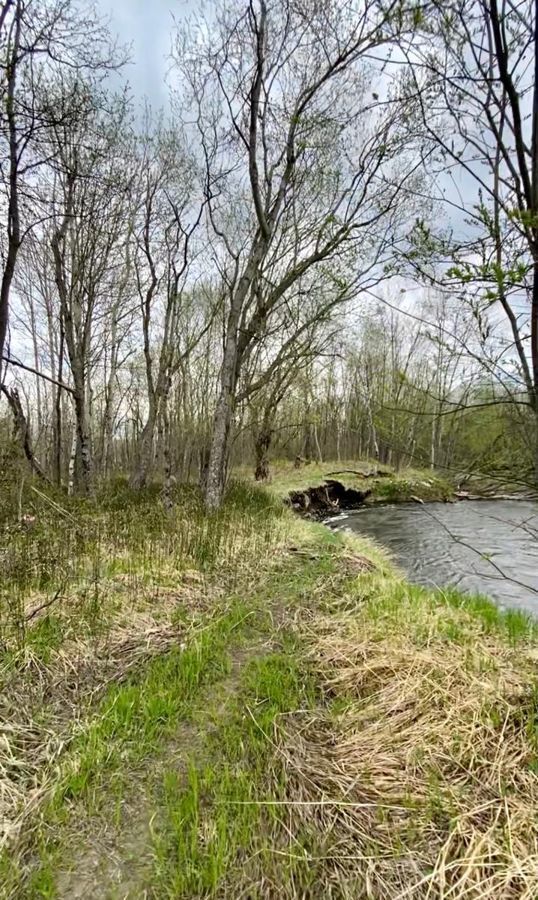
<point x="291" y="142"/>
<point x="90" y="202"/>
<point x="38" y="38"/>
<point x="169" y="217"/>
<point x="477" y="92"/>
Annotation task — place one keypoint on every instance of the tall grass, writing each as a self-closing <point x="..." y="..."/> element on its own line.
<point x="96" y="592"/>
<point x="65" y="550"/>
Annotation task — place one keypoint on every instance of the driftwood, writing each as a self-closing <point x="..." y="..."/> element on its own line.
<point x="326" y="499"/>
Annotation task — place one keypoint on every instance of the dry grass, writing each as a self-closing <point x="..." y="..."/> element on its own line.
<point x="91" y="595"/>
<point x="409" y="772"/>
<point x="418" y="778"/>
<point x="47" y="690"/>
<point x="43" y="700"/>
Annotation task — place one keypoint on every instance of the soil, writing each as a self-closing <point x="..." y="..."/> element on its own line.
<point x="326" y="499"/>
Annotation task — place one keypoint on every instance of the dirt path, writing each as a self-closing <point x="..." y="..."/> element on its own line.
<point x="113" y="853"/>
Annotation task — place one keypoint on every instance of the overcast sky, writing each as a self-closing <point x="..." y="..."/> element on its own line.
<point x="147" y="25"/>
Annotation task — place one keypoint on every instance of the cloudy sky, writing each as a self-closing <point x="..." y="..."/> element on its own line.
<point x="147" y="25"/>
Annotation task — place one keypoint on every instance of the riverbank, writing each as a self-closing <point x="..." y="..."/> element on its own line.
<point x="249" y="705"/>
<point x="383" y="483"/>
<point x="318" y="491"/>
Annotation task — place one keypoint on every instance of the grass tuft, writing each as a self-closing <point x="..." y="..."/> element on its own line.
<point x="417" y="776"/>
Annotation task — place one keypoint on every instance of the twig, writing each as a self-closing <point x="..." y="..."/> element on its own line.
<point x="42" y="606"/>
<point x="55" y="505"/>
<point x="483" y="556"/>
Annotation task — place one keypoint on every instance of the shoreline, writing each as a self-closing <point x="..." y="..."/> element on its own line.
<point x="295" y="668"/>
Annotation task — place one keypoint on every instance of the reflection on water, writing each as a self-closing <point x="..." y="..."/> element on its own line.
<point x="486" y="546"/>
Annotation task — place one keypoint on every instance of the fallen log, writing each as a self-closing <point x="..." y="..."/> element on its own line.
<point x="348" y="472"/>
<point x="375" y="474"/>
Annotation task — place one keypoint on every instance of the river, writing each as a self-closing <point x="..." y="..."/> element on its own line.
<point x="485" y="546"/>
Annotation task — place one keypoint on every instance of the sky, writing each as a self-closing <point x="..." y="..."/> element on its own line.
<point x="147" y="25"/>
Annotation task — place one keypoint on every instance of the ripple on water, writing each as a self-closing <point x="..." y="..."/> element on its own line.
<point x="487" y="546"/>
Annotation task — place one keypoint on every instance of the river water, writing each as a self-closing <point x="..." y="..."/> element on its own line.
<point x="485" y="546"/>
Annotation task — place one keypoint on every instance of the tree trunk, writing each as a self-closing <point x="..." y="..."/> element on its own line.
<point x="535" y="443"/>
<point x="218" y="454"/>
<point x="72" y="458"/>
<point x="57" y="439"/>
<point x="82" y="480"/>
<point x="215" y="478"/>
<point x="231" y="366"/>
<point x="145" y="451"/>
<point x="319" y="456"/>
<point x="169" y="479"/>
<point x="108" y="415"/>
<point x="13" y="213"/>
<point x="22" y="429"/>
<point x="534" y="356"/>
<point x="261" y="448"/>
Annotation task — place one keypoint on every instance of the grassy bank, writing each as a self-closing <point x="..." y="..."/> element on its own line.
<point x="386" y="484"/>
<point x="248" y="705"/>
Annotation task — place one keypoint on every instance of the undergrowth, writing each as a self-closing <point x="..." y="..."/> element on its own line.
<point x="62" y="545"/>
<point x="354" y="735"/>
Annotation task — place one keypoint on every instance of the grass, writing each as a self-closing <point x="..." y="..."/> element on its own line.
<point x="393" y="487"/>
<point x="250" y="705"/>
<point x="221" y="812"/>
<point x="393" y="744"/>
<point x="94" y="593"/>
<point x="133" y="718"/>
<point x="130" y="723"/>
<point x="416" y="775"/>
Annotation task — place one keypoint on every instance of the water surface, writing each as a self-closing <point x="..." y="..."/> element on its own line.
<point x="485" y="546"/>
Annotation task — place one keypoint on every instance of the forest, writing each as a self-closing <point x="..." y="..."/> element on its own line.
<point x="324" y="247"/>
<point x="317" y="258"/>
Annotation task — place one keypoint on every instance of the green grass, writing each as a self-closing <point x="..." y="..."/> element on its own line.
<point x="225" y="811"/>
<point x="131" y="722"/>
<point x="410" y="484"/>
<point x="135" y="719"/>
<point x="74" y="546"/>
<point x="395" y="603"/>
<point x="216" y="818"/>
<point x="401" y="486"/>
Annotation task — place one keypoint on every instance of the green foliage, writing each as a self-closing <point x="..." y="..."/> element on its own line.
<point x="425" y="245"/>
<point x="501" y="276"/>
